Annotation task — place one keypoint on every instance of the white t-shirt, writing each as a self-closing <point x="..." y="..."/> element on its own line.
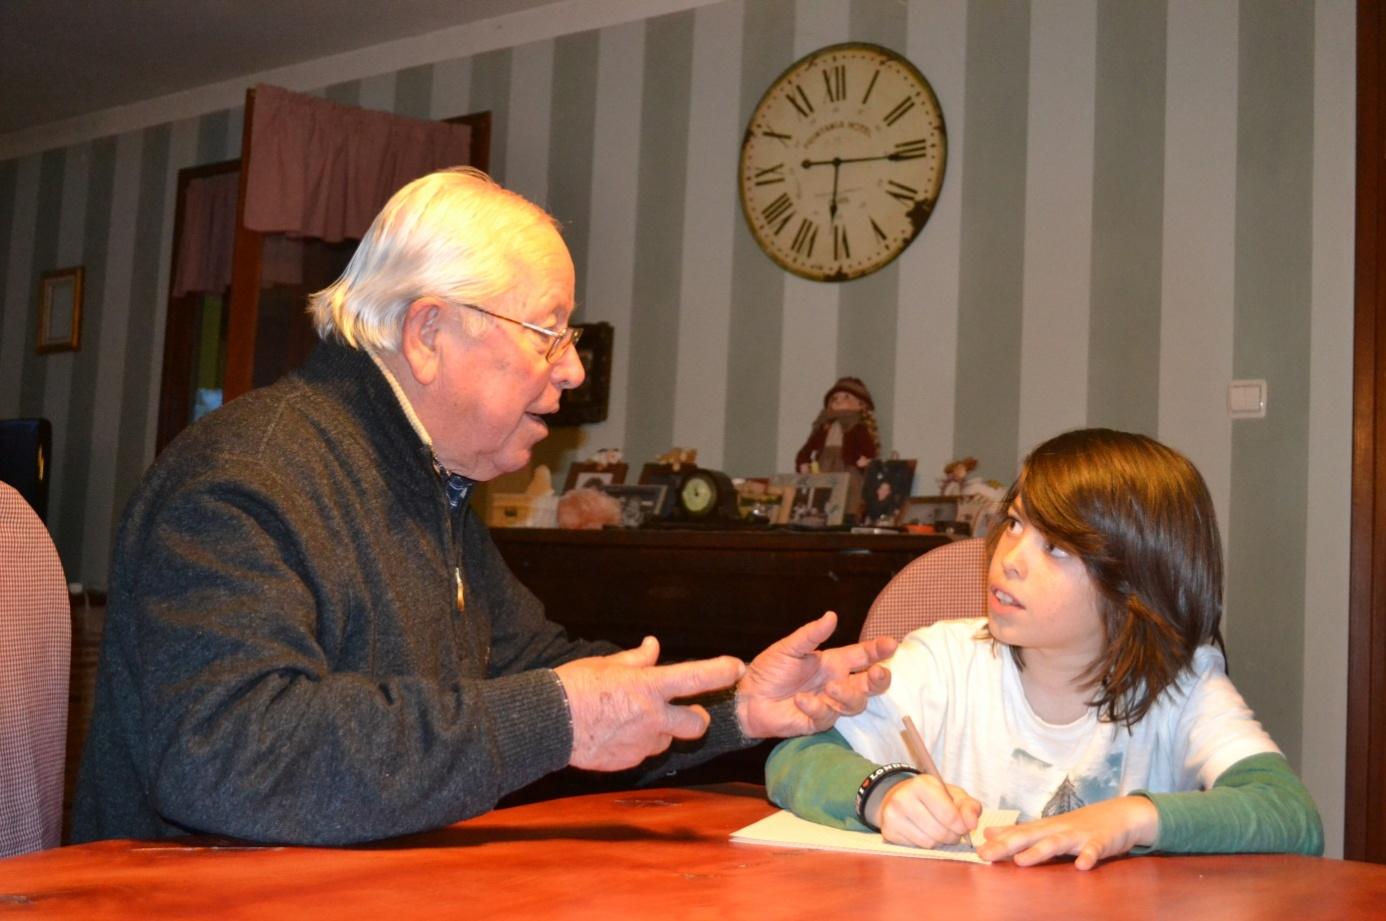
<point x="965" y="697"/>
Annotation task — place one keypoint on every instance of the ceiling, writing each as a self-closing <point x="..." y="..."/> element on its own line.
<point x="64" y="58"/>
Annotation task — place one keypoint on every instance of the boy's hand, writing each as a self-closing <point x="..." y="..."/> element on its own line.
<point x="919" y="812"/>
<point x="1105" y="829"/>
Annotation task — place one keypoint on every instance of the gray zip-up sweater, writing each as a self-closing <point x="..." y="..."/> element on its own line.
<point x="284" y="656"/>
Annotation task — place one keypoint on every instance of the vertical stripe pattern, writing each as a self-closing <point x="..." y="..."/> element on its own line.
<point x="1142" y="201"/>
<point x="1275" y="136"/>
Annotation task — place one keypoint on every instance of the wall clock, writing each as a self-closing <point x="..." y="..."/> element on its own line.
<point x="842" y="162"/>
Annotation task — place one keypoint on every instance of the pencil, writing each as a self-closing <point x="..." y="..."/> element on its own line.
<point x="914" y="742"/>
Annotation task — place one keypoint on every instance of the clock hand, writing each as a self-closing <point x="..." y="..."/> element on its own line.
<point x="832" y="205"/>
<point x="838" y="161"/>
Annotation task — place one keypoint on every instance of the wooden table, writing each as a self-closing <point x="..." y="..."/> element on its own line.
<point x="653" y="854"/>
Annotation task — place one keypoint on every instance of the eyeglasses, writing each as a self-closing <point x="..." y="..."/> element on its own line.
<point x="559" y="339"/>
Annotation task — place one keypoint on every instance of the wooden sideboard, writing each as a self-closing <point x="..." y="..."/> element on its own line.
<point x="704" y="593"/>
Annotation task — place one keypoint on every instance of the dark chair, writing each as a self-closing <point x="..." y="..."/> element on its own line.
<point x="26" y="451"/>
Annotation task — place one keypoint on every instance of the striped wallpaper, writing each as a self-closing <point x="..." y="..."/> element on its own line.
<point x="1143" y="201"/>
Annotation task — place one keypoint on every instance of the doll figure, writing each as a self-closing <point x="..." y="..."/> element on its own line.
<point x="843" y="437"/>
<point x="844" y="434"/>
<point x="955" y="475"/>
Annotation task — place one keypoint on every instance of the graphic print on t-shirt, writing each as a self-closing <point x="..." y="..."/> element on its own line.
<point x="1040" y="789"/>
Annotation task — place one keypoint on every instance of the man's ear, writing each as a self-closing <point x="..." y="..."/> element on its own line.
<point x="419" y="338"/>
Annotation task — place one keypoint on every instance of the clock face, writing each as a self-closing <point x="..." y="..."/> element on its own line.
<point x="698" y="494"/>
<point x="842" y="162"/>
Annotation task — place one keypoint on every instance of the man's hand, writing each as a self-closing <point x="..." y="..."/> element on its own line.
<point x="620" y="703"/>
<point x="793" y="688"/>
<point x="1090" y="834"/>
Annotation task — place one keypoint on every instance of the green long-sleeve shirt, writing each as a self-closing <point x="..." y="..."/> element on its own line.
<point x="1257" y="805"/>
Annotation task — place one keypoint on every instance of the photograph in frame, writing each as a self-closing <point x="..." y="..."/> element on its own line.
<point x="60" y="311"/>
<point x="812" y="500"/>
<point x="670" y="478"/>
<point x="590" y="474"/>
<point x="930" y="510"/>
<point x="588" y="402"/>
<point x="886" y="486"/>
<point x="640" y="503"/>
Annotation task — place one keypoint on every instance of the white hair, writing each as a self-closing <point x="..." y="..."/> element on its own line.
<point x="454" y="234"/>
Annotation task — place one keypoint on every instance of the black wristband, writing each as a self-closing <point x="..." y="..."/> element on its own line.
<point x="870" y="783"/>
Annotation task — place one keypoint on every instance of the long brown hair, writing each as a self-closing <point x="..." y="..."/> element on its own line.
<point x="1139" y="516"/>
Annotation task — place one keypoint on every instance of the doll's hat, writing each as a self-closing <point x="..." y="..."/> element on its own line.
<point x="855" y="387"/>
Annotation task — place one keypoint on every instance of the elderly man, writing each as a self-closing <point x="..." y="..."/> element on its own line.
<point x="311" y="638"/>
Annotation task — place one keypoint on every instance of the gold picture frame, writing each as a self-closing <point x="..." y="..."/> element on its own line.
<point x="60" y="311"/>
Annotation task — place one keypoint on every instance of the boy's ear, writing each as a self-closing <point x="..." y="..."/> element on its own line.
<point x="418" y="343"/>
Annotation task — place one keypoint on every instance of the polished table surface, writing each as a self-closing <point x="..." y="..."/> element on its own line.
<point x="653" y="854"/>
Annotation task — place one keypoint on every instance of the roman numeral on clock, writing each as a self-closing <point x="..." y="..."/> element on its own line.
<point x="835" y="82"/>
<point x="895" y="114"/>
<point x="869" y="87"/>
<point x="840" y="248"/>
<point x="770" y="175"/>
<point x="805" y="237"/>
<point x="781" y="209"/>
<point x="904" y="193"/>
<point x="800" y="101"/>
<point x="910" y="150"/>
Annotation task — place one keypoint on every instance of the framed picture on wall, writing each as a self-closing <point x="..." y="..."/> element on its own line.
<point x="60" y="311"/>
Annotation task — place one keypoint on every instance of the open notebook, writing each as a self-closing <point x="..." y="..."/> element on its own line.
<point x="785" y="829"/>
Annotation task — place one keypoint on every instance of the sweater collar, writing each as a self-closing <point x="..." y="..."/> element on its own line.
<point x="457" y="486"/>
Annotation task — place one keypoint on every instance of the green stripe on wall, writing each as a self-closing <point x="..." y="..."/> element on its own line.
<point x="130" y="459"/>
<point x="869" y="308"/>
<point x="1128" y="218"/>
<point x="414" y="91"/>
<point x="654" y="315"/>
<point x="757" y="291"/>
<point x="212" y="130"/>
<point x="69" y="533"/>
<point x="45" y="258"/>
<point x="345" y="94"/>
<point x="1270" y="456"/>
<point x="992" y="247"/>
<point x="571" y="139"/>
<point x="491" y="93"/>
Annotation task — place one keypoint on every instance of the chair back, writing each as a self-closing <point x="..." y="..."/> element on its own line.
<point x="35" y="660"/>
<point x="947" y="582"/>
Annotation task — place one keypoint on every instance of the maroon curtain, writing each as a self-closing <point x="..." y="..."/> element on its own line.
<point x="204" y="244"/>
<point x="319" y="169"/>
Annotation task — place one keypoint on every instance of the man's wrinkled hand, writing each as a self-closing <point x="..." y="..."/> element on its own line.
<point x="793" y="688"/>
<point x="620" y="704"/>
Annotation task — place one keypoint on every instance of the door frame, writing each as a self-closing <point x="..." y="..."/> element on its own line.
<point x="1365" y="781"/>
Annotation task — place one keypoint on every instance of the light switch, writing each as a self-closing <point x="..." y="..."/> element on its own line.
<point x="1246" y="399"/>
